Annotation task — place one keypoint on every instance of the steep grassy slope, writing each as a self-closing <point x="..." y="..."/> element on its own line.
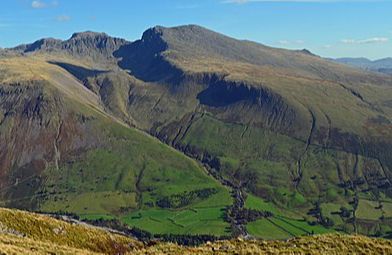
<point x="28" y="233"/>
<point x="61" y="151"/>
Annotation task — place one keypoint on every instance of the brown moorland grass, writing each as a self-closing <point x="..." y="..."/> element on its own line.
<point x="322" y="244"/>
<point x="18" y="227"/>
<point x="30" y="233"/>
<point x="16" y="245"/>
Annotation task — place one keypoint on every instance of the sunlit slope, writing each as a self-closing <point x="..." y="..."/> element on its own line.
<point x="63" y="151"/>
<point x="27" y="69"/>
<point x="339" y="97"/>
<point x="29" y="233"/>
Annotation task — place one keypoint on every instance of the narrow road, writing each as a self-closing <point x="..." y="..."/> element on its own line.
<point x="85" y="224"/>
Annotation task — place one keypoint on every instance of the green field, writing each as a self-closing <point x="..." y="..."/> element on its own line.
<point x="387" y="208"/>
<point x="204" y="217"/>
<point x="126" y="179"/>
<point x="328" y="210"/>
<point x="367" y="210"/>
<point x="188" y="221"/>
<point x="265" y="229"/>
<point x="253" y="202"/>
<point x="284" y="224"/>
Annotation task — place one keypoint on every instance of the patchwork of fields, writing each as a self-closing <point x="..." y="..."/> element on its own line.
<point x="283" y="225"/>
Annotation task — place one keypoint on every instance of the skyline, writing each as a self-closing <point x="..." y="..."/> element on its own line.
<point x="329" y="28"/>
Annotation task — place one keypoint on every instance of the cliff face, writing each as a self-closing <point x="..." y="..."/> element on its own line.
<point x="143" y="58"/>
<point x="97" y="47"/>
<point x="84" y="44"/>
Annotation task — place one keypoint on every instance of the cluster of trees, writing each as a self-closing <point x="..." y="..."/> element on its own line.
<point x="145" y="236"/>
<point x="352" y="184"/>
<point x="192" y="151"/>
<point x="189" y="240"/>
<point x="238" y="216"/>
<point x="344" y="213"/>
<point x="185" y="198"/>
<point x="244" y="215"/>
<point x="375" y="181"/>
<point x="317" y="212"/>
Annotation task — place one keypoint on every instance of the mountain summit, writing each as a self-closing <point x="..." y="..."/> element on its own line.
<point x="83" y="44"/>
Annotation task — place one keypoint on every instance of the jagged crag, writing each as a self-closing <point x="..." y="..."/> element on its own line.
<point x="310" y="137"/>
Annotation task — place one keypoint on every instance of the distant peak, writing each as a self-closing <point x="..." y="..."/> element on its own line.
<point x="191" y="28"/>
<point x="307" y="52"/>
<point x="355" y="59"/>
<point x="158" y="28"/>
<point x="49" y="40"/>
<point x="88" y="34"/>
<point x="153" y="33"/>
<point x="46" y="43"/>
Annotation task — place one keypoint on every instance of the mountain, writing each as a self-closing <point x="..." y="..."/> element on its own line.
<point x="382" y="65"/>
<point x="305" y="139"/>
<point x="28" y="233"/>
<point x="80" y="45"/>
<point x="63" y="150"/>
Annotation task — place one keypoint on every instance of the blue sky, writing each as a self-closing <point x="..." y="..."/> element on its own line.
<point x="330" y="28"/>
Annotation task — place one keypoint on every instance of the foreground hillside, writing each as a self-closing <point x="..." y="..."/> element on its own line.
<point x="28" y="233"/>
<point x="323" y="244"/>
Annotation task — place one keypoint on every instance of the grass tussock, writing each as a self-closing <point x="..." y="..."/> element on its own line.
<point x="23" y="230"/>
<point x="17" y="245"/>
